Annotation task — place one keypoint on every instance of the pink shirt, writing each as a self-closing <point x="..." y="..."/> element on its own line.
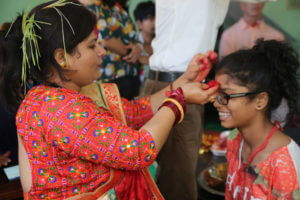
<point x="243" y="36"/>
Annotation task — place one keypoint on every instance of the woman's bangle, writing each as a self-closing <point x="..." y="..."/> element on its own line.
<point x="176" y="103"/>
<point x="179" y="97"/>
<point x="179" y="107"/>
<point x="175" y="110"/>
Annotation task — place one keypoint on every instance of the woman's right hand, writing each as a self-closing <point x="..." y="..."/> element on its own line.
<point x="200" y="66"/>
<point x="199" y="93"/>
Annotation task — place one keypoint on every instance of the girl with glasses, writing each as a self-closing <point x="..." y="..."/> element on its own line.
<point x="263" y="162"/>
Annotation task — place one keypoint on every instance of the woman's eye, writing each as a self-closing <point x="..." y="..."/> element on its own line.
<point x="92" y="46"/>
<point x="100" y="44"/>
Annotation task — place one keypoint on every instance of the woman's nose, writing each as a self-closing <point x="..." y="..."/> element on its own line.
<point x="100" y="51"/>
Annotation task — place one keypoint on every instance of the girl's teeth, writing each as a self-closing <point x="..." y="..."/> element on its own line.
<point x="222" y="114"/>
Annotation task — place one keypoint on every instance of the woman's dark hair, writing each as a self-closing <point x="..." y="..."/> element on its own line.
<point x="144" y="10"/>
<point x="270" y="66"/>
<point x="51" y="37"/>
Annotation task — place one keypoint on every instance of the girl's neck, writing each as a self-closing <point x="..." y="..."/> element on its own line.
<point x="256" y="134"/>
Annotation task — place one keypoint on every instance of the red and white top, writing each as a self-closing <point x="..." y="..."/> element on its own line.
<point x="277" y="177"/>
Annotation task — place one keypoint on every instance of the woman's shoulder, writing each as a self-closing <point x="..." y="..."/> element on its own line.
<point x="48" y="93"/>
<point x="54" y="96"/>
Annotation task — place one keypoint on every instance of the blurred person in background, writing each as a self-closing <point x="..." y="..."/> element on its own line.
<point x="244" y="33"/>
<point x="144" y="15"/>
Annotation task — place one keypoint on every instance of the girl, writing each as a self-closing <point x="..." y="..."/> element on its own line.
<point x="263" y="162"/>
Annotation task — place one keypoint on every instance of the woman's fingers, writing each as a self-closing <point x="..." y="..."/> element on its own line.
<point x="204" y="70"/>
<point x="199" y="93"/>
<point x="205" y="63"/>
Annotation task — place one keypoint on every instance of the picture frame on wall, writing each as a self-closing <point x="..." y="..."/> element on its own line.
<point x="293" y="4"/>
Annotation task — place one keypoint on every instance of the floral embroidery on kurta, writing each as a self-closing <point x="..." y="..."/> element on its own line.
<point x="72" y="143"/>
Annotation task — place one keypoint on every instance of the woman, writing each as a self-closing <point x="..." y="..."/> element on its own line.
<point x="70" y="148"/>
<point x="263" y="162"/>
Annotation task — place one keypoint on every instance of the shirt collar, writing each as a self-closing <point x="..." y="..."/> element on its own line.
<point x="244" y="24"/>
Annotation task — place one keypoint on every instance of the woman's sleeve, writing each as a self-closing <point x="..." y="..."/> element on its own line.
<point x="82" y="130"/>
<point x="137" y="112"/>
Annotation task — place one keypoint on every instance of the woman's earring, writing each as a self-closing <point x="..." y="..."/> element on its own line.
<point x="63" y="65"/>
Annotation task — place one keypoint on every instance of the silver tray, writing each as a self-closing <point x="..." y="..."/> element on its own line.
<point x="205" y="186"/>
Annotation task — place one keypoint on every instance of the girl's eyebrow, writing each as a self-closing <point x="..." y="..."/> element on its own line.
<point x="225" y="89"/>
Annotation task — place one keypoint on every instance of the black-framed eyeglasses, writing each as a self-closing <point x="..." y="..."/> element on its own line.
<point x="223" y="98"/>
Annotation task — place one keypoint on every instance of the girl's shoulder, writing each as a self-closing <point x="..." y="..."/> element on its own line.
<point x="282" y="169"/>
<point x="288" y="153"/>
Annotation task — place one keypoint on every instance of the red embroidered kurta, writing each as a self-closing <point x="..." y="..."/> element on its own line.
<point x="276" y="178"/>
<point x="72" y="143"/>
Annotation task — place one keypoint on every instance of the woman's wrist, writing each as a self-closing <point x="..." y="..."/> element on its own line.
<point x="176" y="102"/>
<point x="181" y="81"/>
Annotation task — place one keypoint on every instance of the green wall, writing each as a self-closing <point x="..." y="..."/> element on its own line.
<point x="287" y="19"/>
<point x="10" y="8"/>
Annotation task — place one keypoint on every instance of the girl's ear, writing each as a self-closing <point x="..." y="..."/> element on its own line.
<point x="59" y="56"/>
<point x="262" y="100"/>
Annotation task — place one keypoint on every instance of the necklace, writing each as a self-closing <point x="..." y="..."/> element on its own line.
<point x="261" y="147"/>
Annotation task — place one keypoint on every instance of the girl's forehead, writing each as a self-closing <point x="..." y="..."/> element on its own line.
<point x="223" y="78"/>
<point x="228" y="83"/>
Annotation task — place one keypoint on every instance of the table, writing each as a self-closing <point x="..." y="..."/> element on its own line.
<point x="10" y="190"/>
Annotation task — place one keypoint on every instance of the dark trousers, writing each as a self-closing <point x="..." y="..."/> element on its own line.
<point x="129" y="86"/>
<point x="178" y="158"/>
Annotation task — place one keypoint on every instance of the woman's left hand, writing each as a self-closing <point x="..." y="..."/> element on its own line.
<point x="199" y="93"/>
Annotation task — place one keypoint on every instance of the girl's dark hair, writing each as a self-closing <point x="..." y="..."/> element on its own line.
<point x="51" y="37"/>
<point x="270" y="66"/>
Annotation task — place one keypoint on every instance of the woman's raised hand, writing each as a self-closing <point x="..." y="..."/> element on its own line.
<point x="200" y="66"/>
